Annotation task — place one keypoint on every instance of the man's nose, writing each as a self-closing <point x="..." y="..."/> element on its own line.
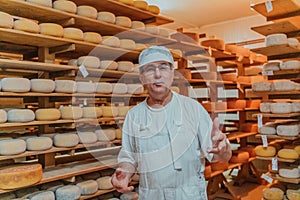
<point x="157" y="72"/>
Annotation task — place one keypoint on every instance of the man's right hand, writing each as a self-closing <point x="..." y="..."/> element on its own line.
<point x="120" y="180"/>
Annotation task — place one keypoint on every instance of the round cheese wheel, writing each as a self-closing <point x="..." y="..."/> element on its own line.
<point x="140" y="47"/>
<point x="295" y="106"/>
<point x="47" y="114"/>
<point x="127" y="44"/>
<point x="67" y="6"/>
<point x="108" y="64"/>
<point x="47" y="195"/>
<point x="219" y="166"/>
<point x="281" y="107"/>
<point x="136" y="68"/>
<point x="214" y="43"/>
<point x="152" y="29"/>
<point x="87" y="11"/>
<point x="42" y="85"/>
<point x="65" y="140"/>
<point x="135" y="89"/>
<point x="297" y="149"/>
<point x="20" y="115"/>
<point x="109" y="111"/>
<point x="140" y="4"/>
<point x="273" y="194"/>
<point x="125" y="66"/>
<point x="92" y="37"/>
<point x="65" y="86"/>
<point x="72" y="62"/>
<point x="87" y="137"/>
<point x="68" y="192"/>
<point x="106" y="134"/>
<point x="265" y="107"/>
<point x="85" y="87"/>
<point x="272" y="65"/>
<point x="6" y="20"/>
<point x="15" y="85"/>
<point x="111" y="41"/>
<point x="262" y="86"/>
<point x="288" y="130"/>
<point x="106" y="17"/>
<point x="288" y="154"/>
<point x="239" y="157"/>
<point x="12" y="147"/>
<point x="276" y="39"/>
<point x="26" y="25"/>
<point x="38" y="143"/>
<point x="47" y="3"/>
<point x="289" y="172"/>
<point x="164" y="32"/>
<point x="92" y="112"/>
<point x="3" y="116"/>
<point x="269" y="151"/>
<point x="237" y="104"/>
<point x="285" y="85"/>
<point x="267" y="130"/>
<point x="73" y="33"/>
<point x="88" y="187"/>
<point x="123" y="21"/>
<point x="119" y="88"/>
<point x="71" y="112"/>
<point x="290" y="64"/>
<point x="293" y="194"/>
<point x="104" y="183"/>
<point x="153" y="9"/>
<point x="102" y="87"/>
<point x="128" y="2"/>
<point x="138" y="25"/>
<point x="89" y="61"/>
<point x="122" y="110"/>
<point x="118" y="133"/>
<point x="23" y="175"/>
<point x="249" y="149"/>
<point x="293" y="42"/>
<point x="52" y="29"/>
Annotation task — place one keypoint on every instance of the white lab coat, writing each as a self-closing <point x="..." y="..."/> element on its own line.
<point x="168" y="148"/>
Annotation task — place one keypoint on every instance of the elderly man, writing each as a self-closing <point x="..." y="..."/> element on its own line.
<point x="167" y="137"/>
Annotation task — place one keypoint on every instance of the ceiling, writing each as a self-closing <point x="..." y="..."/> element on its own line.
<point x="197" y="13"/>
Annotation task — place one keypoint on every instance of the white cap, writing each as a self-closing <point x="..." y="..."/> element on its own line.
<point x="155" y="53"/>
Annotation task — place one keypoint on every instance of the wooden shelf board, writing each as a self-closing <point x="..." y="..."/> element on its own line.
<point x="276" y="50"/>
<point x="279" y="159"/>
<point x="292" y="138"/>
<point x="277" y="115"/>
<point x="286" y="72"/>
<point x="251" y="93"/>
<point x="218" y="82"/>
<point x="236" y="135"/>
<point x="285" y="180"/>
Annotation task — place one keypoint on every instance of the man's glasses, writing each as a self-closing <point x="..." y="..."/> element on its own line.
<point x="151" y="69"/>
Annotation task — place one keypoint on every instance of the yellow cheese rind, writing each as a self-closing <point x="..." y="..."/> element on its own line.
<point x="67" y="6"/>
<point x="123" y="21"/>
<point x="108" y="64"/>
<point x="92" y="37"/>
<point x="71" y="112"/>
<point x="106" y="134"/>
<point x="140" y="4"/>
<point x="26" y="25"/>
<point x="109" y="111"/>
<point x="153" y="9"/>
<point x="106" y="17"/>
<point x="38" y="143"/>
<point x="288" y="154"/>
<point x="3" y="116"/>
<point x="6" y="20"/>
<point x="65" y="140"/>
<point x="73" y="33"/>
<point x="47" y="3"/>
<point x="92" y="112"/>
<point x="87" y="11"/>
<point x="273" y="194"/>
<point x="111" y="41"/>
<point x="269" y="151"/>
<point x="89" y="61"/>
<point x="51" y="29"/>
<point x="47" y="114"/>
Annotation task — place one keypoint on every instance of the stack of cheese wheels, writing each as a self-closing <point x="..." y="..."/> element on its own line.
<point x="109" y="111"/>
<point x="47" y="3"/>
<point x="22" y="175"/>
<point x="73" y="33"/>
<point x="153" y="9"/>
<point x="119" y="88"/>
<point x="273" y="193"/>
<point x="87" y="11"/>
<point x="118" y="132"/>
<point x="47" y="114"/>
<point x="108" y="64"/>
<point x="239" y="157"/>
<point x="88" y="187"/>
<point x="236" y="104"/>
<point x="135" y="88"/>
<point x="40" y="195"/>
<point x="281" y="107"/>
<point x="68" y="192"/>
<point x="125" y="66"/>
<point x="276" y="39"/>
<point x="289" y="172"/>
<point x="42" y="85"/>
<point x="91" y="112"/>
<point x="85" y="87"/>
<point x="104" y="183"/>
<point x="152" y="29"/>
<point x="140" y="4"/>
<point x="219" y="166"/>
<point x="64" y="5"/>
<point x="65" y="140"/>
<point x="71" y="112"/>
<point x="269" y="151"/>
<point x="92" y="37"/>
<point x="102" y="87"/>
<point x="138" y="25"/>
<point x="128" y="2"/>
<point x="265" y="107"/>
<point x="108" y="134"/>
<point x="267" y="130"/>
<point x="3" y="116"/>
<point x="15" y="85"/>
<point x="288" y="154"/>
<point x="27" y="25"/>
<point x="122" y="110"/>
<point x="87" y="137"/>
<point x="65" y="86"/>
<point x="127" y="44"/>
<point x="285" y="85"/>
<point x="111" y="41"/>
<point x="35" y="143"/>
<point x="288" y="130"/>
<point x="262" y="86"/>
<point x="123" y="21"/>
<point x="297" y="149"/>
<point x="106" y="17"/>
<point x="12" y="147"/>
<point x="20" y="115"/>
<point x="293" y="194"/>
<point x="6" y="20"/>
<point x="290" y="64"/>
<point x="51" y="29"/>
<point x="89" y="61"/>
<point x="272" y="65"/>
<point x="214" y="43"/>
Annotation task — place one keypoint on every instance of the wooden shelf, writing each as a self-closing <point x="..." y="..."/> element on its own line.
<point x="285" y="180"/>
<point x="237" y="135"/>
<point x="279" y="159"/>
<point x="287" y="115"/>
<point x="275" y="137"/>
<point x="250" y="93"/>
<point x="281" y="51"/>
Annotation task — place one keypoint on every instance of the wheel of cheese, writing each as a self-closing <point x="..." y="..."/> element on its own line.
<point x="87" y="137"/>
<point x="42" y="85"/>
<point x="92" y="112"/>
<point x="109" y="111"/>
<point x="138" y="25"/>
<point x="272" y="65"/>
<point x="269" y="151"/>
<point x="262" y="86"/>
<point x="67" y="6"/>
<point x="289" y="172"/>
<point x="273" y="194"/>
<point x="89" y="61"/>
<point x="164" y="32"/>
<point x="127" y="44"/>
<point x="3" y="116"/>
<point x="297" y="149"/>
<point x="293" y="194"/>
<point x="128" y="2"/>
<point x="85" y="87"/>
<point x="119" y="88"/>
<point x="6" y="20"/>
<point x="111" y="41"/>
<point x="267" y="130"/>
<point x="288" y="130"/>
<point x="293" y="42"/>
<point x="249" y="149"/>
<point x="135" y="89"/>
<point x="68" y="192"/>
<point x="265" y="107"/>
<point x="15" y="85"/>
<point x="118" y="132"/>
<point x="20" y="115"/>
<point x="239" y="157"/>
<point x="276" y="39"/>
<point x="249" y="127"/>
<point x="47" y="3"/>
<point x="123" y="21"/>
<point x="153" y="9"/>
<point x="108" y="64"/>
<point x="92" y="37"/>
<point x="140" y="4"/>
<point x="140" y="47"/>
<point x="52" y="29"/>
<point x="38" y="143"/>
<point x="122" y="110"/>
<point x="87" y="11"/>
<point x="46" y="195"/>
<point x="71" y="112"/>
<point x="236" y="104"/>
<point x="88" y="187"/>
<point x="285" y="85"/>
<point x="106" y="17"/>
<point x="73" y="33"/>
<point x="219" y="166"/>
<point x="12" y="147"/>
<point x="26" y="25"/>
<point x="104" y="183"/>
<point x="47" y="114"/>
<point x="102" y="87"/>
<point x="176" y="52"/>
<point x="288" y="154"/>
<point x="290" y="64"/>
<point x="281" y="107"/>
<point x="106" y="134"/>
<point x="253" y="103"/>
<point x="65" y="140"/>
<point x="152" y="29"/>
<point x="125" y="66"/>
<point x="22" y="175"/>
<point x="65" y="86"/>
<point x="72" y="62"/>
<point x="214" y="43"/>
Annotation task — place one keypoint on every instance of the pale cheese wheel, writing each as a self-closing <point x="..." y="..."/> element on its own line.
<point x="65" y="86"/>
<point x="3" y="116"/>
<point x="293" y="194"/>
<point x="71" y="112"/>
<point x="265" y="107"/>
<point x="214" y="43"/>
<point x="85" y="87"/>
<point x="140" y="4"/>
<point x="290" y="64"/>
<point x="293" y="42"/>
<point x="88" y="187"/>
<point x="67" y="6"/>
<point x="152" y="29"/>
<point x="109" y="111"/>
<point x="177" y="53"/>
<point x="138" y="25"/>
<point x="65" y="140"/>
<point x="123" y="110"/>
<point x="106" y="134"/>
<point x="119" y="88"/>
<point x="127" y="44"/>
<point x="125" y="66"/>
<point x="135" y="88"/>
<point x="108" y="64"/>
<point x="262" y="86"/>
<point x="92" y="37"/>
<point x="285" y="85"/>
<point x="219" y="166"/>
<point x="288" y="130"/>
<point x="20" y="115"/>
<point x="73" y="33"/>
<point x="52" y="29"/>
<point x="38" y="143"/>
<point x="288" y="154"/>
<point x="272" y="65"/>
<point x="273" y="193"/>
<point x="47" y="3"/>
<point x="276" y="39"/>
<point x="87" y="137"/>
<point x="68" y="192"/>
<point x="12" y="147"/>
<point x="129" y="196"/>
<point x="269" y="151"/>
<point x="236" y="104"/>
<point x="15" y="85"/>
<point x="106" y="17"/>
<point x="22" y="175"/>
<point x="27" y="25"/>
<point x="289" y="172"/>
<point x="267" y="130"/>
<point x="153" y="9"/>
<point x="89" y="61"/>
<point x="45" y="195"/>
<point x="140" y="47"/>
<point x="6" y="20"/>
<point x="128" y="2"/>
<point x="239" y="157"/>
<point x="281" y="107"/>
<point x="102" y="87"/>
<point x="123" y="21"/>
<point x="118" y="132"/>
<point x="87" y="11"/>
<point x="297" y="149"/>
<point x="92" y="112"/>
<point x="295" y="106"/>
<point x="104" y="183"/>
<point x="111" y="41"/>
<point x="47" y="114"/>
<point x="164" y="32"/>
<point x="42" y="85"/>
